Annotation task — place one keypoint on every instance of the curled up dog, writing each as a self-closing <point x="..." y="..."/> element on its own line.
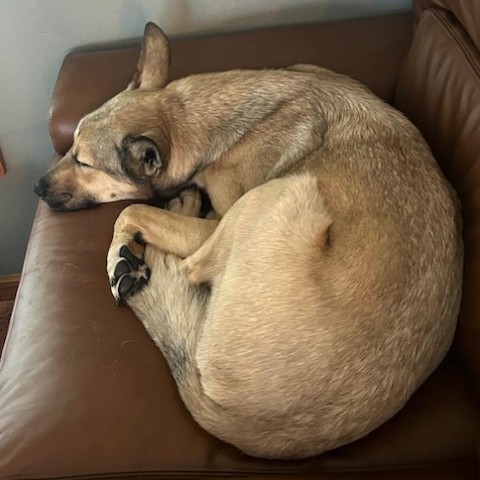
<point x="324" y="288"/>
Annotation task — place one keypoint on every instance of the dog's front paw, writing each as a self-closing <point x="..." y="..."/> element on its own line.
<point x="127" y="272"/>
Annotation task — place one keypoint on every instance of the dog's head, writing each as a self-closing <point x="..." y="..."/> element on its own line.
<point x="116" y="153"/>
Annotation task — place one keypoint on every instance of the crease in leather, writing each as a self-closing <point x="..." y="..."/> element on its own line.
<point x="192" y="473"/>
<point x="467" y="12"/>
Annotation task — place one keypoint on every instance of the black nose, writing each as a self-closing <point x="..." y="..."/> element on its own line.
<point x="41" y="187"/>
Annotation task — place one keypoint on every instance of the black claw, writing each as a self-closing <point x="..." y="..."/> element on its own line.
<point x="138" y="237"/>
<point x="126" y="284"/>
<point x="134" y="261"/>
<point x="122" y="268"/>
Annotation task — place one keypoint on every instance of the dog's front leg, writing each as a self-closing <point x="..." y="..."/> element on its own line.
<point x="172" y="232"/>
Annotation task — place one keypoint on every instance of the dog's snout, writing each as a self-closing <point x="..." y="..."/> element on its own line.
<point x="41" y="187"/>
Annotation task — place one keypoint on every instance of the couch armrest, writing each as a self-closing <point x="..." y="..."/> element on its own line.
<point x="370" y="50"/>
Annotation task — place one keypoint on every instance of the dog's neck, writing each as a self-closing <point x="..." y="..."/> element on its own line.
<point x="219" y="123"/>
<point x="208" y="130"/>
<point x="203" y="126"/>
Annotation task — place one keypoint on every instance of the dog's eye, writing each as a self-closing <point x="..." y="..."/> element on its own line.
<point x="81" y="164"/>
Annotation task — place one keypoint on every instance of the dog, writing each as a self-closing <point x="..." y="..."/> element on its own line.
<point x="324" y="288"/>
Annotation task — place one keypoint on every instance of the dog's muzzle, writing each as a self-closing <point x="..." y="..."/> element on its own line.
<point x="55" y="202"/>
<point x="61" y="201"/>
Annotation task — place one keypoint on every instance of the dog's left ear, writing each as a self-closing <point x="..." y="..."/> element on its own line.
<point x="154" y="61"/>
<point x="145" y="152"/>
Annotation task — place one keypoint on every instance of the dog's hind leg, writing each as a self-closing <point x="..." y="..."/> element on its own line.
<point x="171" y="310"/>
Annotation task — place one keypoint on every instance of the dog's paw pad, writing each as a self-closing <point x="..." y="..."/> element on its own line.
<point x="125" y="284"/>
<point x="131" y="274"/>
<point x="122" y="268"/>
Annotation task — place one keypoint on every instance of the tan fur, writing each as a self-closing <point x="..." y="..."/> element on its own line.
<point x="328" y="290"/>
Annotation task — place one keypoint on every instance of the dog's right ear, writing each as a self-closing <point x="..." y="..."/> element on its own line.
<point x="142" y="156"/>
<point x="154" y="61"/>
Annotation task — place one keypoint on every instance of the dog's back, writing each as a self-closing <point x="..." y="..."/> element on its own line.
<point x="335" y="279"/>
<point x="326" y="329"/>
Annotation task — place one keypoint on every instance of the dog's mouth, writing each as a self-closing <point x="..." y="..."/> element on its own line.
<point x="64" y="202"/>
<point x="58" y="202"/>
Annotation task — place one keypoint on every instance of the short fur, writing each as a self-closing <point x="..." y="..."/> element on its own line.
<point x="328" y="291"/>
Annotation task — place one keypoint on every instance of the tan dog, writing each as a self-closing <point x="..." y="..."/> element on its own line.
<point x="328" y="291"/>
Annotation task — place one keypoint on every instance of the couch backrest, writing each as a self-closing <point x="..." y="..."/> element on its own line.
<point x="439" y="89"/>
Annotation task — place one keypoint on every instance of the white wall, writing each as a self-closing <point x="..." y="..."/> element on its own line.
<point x="35" y="35"/>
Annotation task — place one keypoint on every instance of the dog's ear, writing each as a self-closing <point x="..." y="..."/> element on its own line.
<point x="154" y="61"/>
<point x="146" y="154"/>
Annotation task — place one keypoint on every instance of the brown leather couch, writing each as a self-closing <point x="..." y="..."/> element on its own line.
<point x="84" y="393"/>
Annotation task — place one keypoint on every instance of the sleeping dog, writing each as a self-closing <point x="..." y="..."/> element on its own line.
<point x="324" y="288"/>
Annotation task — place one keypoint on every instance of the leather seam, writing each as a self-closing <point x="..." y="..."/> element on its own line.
<point x="219" y="471"/>
<point x="458" y="40"/>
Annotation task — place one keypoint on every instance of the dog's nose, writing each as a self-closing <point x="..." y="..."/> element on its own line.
<point x="41" y="187"/>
